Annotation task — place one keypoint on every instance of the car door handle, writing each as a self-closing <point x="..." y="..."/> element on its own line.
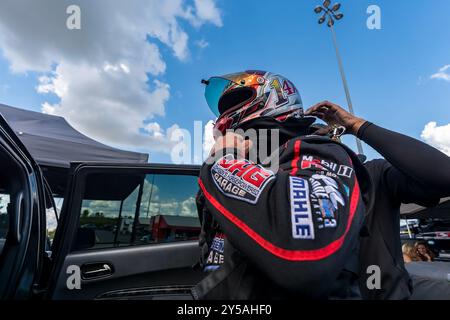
<point x="96" y="270"/>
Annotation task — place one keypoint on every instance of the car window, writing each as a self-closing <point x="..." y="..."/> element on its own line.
<point x="124" y="210"/>
<point x="51" y="220"/>
<point x="4" y="218"/>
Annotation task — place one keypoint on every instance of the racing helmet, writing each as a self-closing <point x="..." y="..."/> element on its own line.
<point x="239" y="97"/>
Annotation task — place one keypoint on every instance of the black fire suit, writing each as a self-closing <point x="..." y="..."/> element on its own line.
<point x="293" y="233"/>
<point x="413" y="172"/>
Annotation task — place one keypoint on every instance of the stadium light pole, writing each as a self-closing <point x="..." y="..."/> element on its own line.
<point x="333" y="15"/>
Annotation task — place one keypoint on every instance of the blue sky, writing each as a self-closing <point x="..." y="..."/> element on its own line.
<point x="389" y="70"/>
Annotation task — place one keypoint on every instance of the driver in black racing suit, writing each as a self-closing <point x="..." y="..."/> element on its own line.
<point x="272" y="231"/>
<point x="404" y="176"/>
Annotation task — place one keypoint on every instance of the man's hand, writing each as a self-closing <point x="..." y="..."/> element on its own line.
<point x="232" y="141"/>
<point x="334" y="115"/>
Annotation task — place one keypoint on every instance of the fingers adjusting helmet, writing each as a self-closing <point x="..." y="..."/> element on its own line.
<point x="239" y="97"/>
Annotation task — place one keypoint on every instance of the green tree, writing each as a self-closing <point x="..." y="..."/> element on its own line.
<point x="85" y="213"/>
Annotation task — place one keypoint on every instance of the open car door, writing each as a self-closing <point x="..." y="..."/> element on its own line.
<point x="22" y="218"/>
<point x="127" y="232"/>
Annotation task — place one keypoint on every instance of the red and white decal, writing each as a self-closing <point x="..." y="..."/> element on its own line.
<point x="240" y="178"/>
<point x="309" y="162"/>
<point x="289" y="88"/>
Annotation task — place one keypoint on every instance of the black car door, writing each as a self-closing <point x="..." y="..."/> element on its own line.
<point x="22" y="218"/>
<point x="127" y="232"/>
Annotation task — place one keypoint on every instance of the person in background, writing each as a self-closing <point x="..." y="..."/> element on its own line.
<point x="409" y="253"/>
<point x="423" y="252"/>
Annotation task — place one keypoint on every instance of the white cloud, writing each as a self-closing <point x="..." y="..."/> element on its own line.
<point x="105" y="74"/>
<point x="181" y="207"/>
<point x="52" y="223"/>
<point x="442" y="74"/>
<point x="153" y="128"/>
<point x="202" y="43"/>
<point x="163" y="204"/>
<point x="109" y="105"/>
<point x="206" y="10"/>
<point x="437" y="136"/>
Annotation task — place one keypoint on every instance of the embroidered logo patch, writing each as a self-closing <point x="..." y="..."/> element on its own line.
<point x="301" y="214"/>
<point x="325" y="200"/>
<point x="329" y="166"/>
<point x="216" y="253"/>
<point x="314" y="202"/>
<point x="240" y="179"/>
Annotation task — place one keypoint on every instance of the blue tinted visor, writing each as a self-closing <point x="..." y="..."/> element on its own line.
<point x="214" y="89"/>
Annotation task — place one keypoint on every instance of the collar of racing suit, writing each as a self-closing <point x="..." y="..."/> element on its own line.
<point x="290" y="128"/>
<point x="287" y="130"/>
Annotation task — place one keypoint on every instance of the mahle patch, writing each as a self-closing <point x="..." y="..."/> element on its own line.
<point x="301" y="214"/>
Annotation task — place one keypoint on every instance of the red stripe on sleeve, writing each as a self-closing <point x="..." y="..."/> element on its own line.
<point x="294" y="163"/>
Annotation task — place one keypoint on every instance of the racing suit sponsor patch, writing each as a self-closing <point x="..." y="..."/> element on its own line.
<point x="309" y="162"/>
<point x="314" y="202"/>
<point x="240" y="179"/>
<point x="325" y="198"/>
<point x="301" y="215"/>
<point x="216" y="253"/>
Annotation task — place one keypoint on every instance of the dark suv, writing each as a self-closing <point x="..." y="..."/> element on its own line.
<point x="125" y="231"/>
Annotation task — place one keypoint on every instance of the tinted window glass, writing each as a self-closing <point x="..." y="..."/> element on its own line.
<point x="4" y="218"/>
<point x="123" y="210"/>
